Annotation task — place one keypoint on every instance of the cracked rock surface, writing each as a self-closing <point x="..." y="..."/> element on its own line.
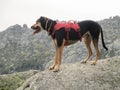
<point x="104" y="76"/>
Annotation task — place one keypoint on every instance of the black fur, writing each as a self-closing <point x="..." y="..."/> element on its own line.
<point x="85" y="26"/>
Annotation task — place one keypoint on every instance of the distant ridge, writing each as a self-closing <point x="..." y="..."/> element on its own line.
<point x="20" y="50"/>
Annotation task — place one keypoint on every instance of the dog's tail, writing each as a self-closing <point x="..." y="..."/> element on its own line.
<point x="103" y="43"/>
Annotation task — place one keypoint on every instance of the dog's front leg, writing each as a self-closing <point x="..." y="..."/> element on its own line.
<point x="54" y="63"/>
<point x="58" y="60"/>
<point x="56" y="54"/>
<point x="59" y="51"/>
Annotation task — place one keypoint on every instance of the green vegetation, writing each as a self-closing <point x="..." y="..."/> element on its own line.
<point x="10" y="83"/>
<point x="13" y="81"/>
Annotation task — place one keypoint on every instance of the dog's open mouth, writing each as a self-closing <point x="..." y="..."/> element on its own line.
<point x="36" y="30"/>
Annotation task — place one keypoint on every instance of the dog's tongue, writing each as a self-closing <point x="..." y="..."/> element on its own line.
<point x="35" y="32"/>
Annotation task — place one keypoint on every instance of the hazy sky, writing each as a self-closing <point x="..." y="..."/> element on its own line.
<point x="28" y="11"/>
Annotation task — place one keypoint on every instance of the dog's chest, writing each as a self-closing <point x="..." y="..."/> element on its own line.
<point x="69" y="42"/>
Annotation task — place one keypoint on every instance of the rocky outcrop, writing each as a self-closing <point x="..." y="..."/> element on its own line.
<point x="104" y="76"/>
<point x="20" y="50"/>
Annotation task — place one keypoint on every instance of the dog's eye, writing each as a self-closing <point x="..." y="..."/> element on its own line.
<point x="37" y="22"/>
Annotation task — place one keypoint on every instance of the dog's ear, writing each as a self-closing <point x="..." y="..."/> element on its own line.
<point x="41" y="17"/>
<point x="42" y="21"/>
<point x="54" y="22"/>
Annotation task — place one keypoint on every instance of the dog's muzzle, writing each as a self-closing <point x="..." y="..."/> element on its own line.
<point x="36" y="29"/>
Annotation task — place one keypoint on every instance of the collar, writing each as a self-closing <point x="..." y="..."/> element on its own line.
<point x="49" y="28"/>
<point x="46" y="24"/>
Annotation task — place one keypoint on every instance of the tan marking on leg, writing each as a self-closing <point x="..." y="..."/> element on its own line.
<point x="95" y="43"/>
<point x="56" y="54"/>
<point x="59" y="57"/>
<point x="87" y="41"/>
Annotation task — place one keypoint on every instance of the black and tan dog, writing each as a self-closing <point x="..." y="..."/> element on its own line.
<point x="89" y="32"/>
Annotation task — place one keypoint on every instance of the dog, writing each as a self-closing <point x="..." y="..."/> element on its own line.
<point x="88" y="31"/>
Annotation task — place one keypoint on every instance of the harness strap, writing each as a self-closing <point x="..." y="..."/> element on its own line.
<point x="67" y="29"/>
<point x="80" y="37"/>
<point x="46" y="24"/>
<point x="67" y="36"/>
<point x="49" y="28"/>
<point x="53" y="33"/>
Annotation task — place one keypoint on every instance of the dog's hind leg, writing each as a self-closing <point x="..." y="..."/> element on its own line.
<point x="95" y="43"/>
<point x="87" y="41"/>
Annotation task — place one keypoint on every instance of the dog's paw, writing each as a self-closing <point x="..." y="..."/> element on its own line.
<point x="51" y="68"/>
<point x="83" y="62"/>
<point x="93" y="63"/>
<point x="55" y="70"/>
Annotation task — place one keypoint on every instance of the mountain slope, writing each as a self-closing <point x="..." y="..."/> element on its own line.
<point x="21" y="51"/>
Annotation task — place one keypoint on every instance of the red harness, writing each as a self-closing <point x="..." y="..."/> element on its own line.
<point x="67" y="26"/>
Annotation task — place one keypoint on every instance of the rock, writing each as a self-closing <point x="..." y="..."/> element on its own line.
<point x="25" y="26"/>
<point x="104" y="76"/>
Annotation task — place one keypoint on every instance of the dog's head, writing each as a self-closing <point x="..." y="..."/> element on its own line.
<point x="39" y="25"/>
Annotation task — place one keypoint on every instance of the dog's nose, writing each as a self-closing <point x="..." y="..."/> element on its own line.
<point x="32" y="27"/>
